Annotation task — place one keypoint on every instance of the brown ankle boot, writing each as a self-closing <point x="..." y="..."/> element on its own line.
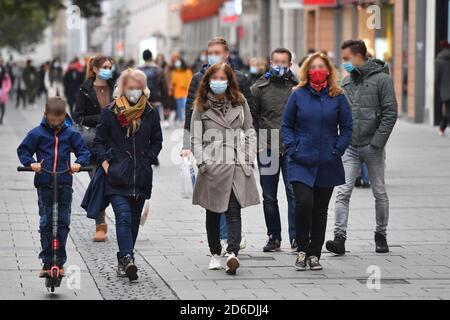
<point x="100" y="232"/>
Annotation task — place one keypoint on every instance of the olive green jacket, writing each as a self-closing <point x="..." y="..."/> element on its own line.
<point x="370" y="91"/>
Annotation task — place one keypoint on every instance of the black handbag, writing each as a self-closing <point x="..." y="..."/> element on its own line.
<point x="87" y="133"/>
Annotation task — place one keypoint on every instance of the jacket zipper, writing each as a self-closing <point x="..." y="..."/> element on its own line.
<point x="134" y="170"/>
<point x="55" y="161"/>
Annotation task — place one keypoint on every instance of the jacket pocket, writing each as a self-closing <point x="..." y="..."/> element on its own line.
<point x="145" y="175"/>
<point x="119" y="172"/>
<point x="305" y="153"/>
<point x="328" y="150"/>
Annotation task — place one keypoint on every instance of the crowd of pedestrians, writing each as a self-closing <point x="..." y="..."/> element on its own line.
<point x="322" y="128"/>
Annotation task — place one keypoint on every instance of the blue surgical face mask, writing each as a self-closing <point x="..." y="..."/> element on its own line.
<point x="105" y="74"/>
<point x="213" y="59"/>
<point x="348" y="66"/>
<point x="278" y="71"/>
<point x="253" y="70"/>
<point x="218" y="86"/>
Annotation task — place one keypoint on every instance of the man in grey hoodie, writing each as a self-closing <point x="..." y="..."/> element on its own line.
<point x="443" y="82"/>
<point x="370" y="91"/>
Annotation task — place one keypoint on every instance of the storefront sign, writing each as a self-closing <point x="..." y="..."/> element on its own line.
<point x="328" y="3"/>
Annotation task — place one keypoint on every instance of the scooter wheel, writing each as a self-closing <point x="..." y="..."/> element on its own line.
<point x="52" y="289"/>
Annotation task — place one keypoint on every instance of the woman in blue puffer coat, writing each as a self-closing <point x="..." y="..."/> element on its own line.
<point x="316" y="129"/>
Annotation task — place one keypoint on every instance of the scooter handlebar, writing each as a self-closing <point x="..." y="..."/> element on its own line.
<point x="28" y="169"/>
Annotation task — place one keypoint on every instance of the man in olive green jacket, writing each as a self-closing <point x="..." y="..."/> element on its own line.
<point x="370" y="91"/>
<point x="271" y="93"/>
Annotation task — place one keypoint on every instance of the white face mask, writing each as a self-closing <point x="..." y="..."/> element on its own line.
<point x="133" y="95"/>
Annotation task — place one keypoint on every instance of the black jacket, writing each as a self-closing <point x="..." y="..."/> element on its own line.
<point x="130" y="159"/>
<point x="73" y="80"/>
<point x="244" y="87"/>
<point x="87" y="108"/>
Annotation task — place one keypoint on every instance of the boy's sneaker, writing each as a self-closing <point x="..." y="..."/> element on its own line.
<point x="381" y="245"/>
<point x="272" y="245"/>
<point x="314" y="263"/>
<point x="300" y="262"/>
<point x="45" y="272"/>
<point x="232" y="264"/>
<point x="129" y="267"/>
<point x="215" y="264"/>
<point x="336" y="246"/>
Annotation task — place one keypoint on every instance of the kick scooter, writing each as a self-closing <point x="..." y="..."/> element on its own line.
<point x="53" y="279"/>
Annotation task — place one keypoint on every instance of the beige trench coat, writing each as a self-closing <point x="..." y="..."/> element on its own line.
<point x="225" y="149"/>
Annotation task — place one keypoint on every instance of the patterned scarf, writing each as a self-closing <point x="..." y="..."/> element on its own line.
<point x="129" y="116"/>
<point x="221" y="106"/>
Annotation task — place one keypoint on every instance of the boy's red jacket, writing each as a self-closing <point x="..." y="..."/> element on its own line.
<point x="52" y="148"/>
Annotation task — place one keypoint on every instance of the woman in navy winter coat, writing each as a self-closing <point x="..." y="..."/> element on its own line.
<point x="316" y="129"/>
<point x="127" y="142"/>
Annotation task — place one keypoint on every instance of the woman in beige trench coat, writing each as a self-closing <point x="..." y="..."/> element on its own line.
<point x="224" y="145"/>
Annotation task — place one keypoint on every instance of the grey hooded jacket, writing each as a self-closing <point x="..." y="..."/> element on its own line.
<point x="370" y="91"/>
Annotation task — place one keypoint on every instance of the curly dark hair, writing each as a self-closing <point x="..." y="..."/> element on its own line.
<point x="233" y="94"/>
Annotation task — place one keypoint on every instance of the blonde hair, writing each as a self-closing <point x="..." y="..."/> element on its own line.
<point x="303" y="76"/>
<point x="137" y="75"/>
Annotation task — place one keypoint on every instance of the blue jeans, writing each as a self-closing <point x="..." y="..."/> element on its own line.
<point x="365" y="173"/>
<point x="45" y="203"/>
<point x="269" y="185"/>
<point x="127" y="211"/>
<point x="181" y="108"/>
<point x="223" y="227"/>
<point x="375" y="161"/>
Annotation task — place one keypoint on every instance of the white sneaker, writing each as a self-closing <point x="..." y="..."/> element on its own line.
<point x="215" y="264"/>
<point x="243" y="243"/>
<point x="224" y="244"/>
<point x="232" y="264"/>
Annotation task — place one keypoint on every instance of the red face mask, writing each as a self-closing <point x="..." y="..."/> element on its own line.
<point x="318" y="76"/>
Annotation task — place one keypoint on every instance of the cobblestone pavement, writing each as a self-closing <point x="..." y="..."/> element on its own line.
<point x="172" y="247"/>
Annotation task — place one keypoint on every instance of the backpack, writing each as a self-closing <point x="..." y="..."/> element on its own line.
<point x="154" y="75"/>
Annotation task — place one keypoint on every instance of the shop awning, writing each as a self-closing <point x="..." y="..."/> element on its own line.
<point x="193" y="10"/>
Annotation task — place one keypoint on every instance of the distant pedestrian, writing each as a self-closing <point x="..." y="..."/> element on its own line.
<point x="256" y="69"/>
<point x="93" y="96"/>
<point x="54" y="79"/>
<point x="19" y="86"/>
<point x="180" y="77"/>
<point x="73" y="80"/>
<point x="443" y="82"/>
<point x="5" y="87"/>
<point x="370" y="91"/>
<point x="225" y="181"/>
<point x="31" y="78"/>
<point x="316" y="129"/>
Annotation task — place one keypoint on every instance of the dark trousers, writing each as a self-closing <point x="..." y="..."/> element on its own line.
<point x="2" y="112"/>
<point x="45" y="203"/>
<point x="446" y="117"/>
<point x="311" y="209"/>
<point x="127" y="211"/>
<point x="234" y="225"/>
<point x="269" y="178"/>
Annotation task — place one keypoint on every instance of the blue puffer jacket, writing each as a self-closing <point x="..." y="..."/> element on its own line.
<point x="317" y="130"/>
<point x="52" y="149"/>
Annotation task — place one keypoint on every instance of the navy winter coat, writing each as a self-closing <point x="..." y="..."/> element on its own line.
<point x="52" y="148"/>
<point x="130" y="159"/>
<point x="316" y="130"/>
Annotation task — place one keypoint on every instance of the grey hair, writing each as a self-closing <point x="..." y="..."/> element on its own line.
<point x="137" y="75"/>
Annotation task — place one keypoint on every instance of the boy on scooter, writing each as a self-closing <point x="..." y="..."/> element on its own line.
<point x="52" y="142"/>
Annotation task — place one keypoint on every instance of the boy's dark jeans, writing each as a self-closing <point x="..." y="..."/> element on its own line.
<point x="45" y="203"/>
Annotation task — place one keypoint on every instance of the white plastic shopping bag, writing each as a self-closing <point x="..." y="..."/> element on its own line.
<point x="145" y="212"/>
<point x="188" y="176"/>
